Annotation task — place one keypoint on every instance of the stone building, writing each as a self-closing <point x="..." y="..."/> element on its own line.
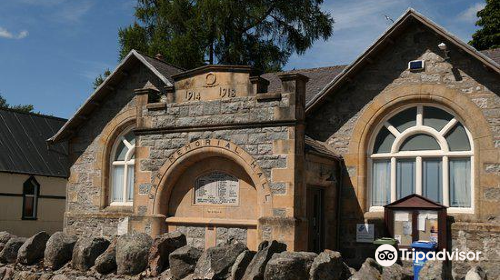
<point x="302" y="156"/>
<point x="32" y="176"/>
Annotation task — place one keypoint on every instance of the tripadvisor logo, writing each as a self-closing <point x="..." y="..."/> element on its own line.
<point x="387" y="255"/>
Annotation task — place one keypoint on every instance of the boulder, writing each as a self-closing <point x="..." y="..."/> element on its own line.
<point x="106" y="262"/>
<point x="5" y="236"/>
<point x="328" y="265"/>
<point x="397" y="272"/>
<point x="257" y="266"/>
<point x="475" y="273"/>
<point x="370" y="270"/>
<point x="132" y="251"/>
<point x="86" y="251"/>
<point x="32" y="250"/>
<point x="240" y="265"/>
<point x="183" y="261"/>
<point x="9" y="252"/>
<point x="162" y="246"/>
<point x="58" y="250"/>
<point x="216" y="262"/>
<point x="60" y="277"/>
<point x="434" y="270"/>
<point x="289" y="266"/>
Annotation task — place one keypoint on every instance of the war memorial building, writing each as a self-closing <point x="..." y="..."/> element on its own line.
<point x="302" y="156"/>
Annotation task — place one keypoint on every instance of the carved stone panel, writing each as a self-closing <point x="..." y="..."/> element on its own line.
<point x="217" y="188"/>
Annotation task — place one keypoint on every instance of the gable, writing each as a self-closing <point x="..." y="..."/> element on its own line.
<point x="410" y="18"/>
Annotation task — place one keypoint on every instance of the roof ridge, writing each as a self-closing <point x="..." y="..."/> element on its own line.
<point x="312" y="68"/>
<point x="33" y="114"/>
<point x="162" y="61"/>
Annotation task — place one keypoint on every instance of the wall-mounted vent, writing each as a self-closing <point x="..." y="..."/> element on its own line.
<point x="415" y="65"/>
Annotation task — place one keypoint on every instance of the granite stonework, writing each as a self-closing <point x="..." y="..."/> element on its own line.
<point x="87" y="212"/>
<point x="345" y="122"/>
<point x="262" y="132"/>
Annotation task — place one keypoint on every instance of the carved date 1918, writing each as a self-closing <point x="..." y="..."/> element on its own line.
<point x="191" y="95"/>
<point x="227" y="92"/>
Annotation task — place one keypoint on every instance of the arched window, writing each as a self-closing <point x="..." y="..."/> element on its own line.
<point x="122" y="169"/>
<point x="424" y="150"/>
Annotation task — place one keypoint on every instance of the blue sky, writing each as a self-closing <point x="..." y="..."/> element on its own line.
<point x="51" y="50"/>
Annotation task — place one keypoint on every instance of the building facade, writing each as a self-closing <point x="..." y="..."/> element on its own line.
<point x="32" y="176"/>
<point x="303" y="156"/>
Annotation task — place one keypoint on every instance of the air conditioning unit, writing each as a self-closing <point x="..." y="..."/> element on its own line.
<point x="416" y="65"/>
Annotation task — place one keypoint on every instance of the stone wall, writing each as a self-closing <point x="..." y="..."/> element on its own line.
<point x="478" y="237"/>
<point x="86" y="192"/>
<point x="264" y="132"/>
<point x="347" y="119"/>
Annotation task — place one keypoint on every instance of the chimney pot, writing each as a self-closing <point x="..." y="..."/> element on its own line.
<point x="159" y="56"/>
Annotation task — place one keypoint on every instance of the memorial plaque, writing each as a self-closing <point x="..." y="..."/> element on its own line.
<point x="217" y="188"/>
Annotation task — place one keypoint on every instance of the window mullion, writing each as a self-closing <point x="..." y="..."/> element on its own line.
<point x="446" y="182"/>
<point x="393" y="179"/>
<point x="420" y="115"/>
<point x="125" y="171"/>
<point x="418" y="176"/>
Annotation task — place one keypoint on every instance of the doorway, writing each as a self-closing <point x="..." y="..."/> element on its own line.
<point x="315" y="215"/>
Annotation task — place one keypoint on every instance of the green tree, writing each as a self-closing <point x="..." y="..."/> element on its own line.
<point x="20" y="108"/>
<point x="488" y="37"/>
<point x="100" y="79"/>
<point x="261" y="33"/>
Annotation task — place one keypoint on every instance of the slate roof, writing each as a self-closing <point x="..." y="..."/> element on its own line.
<point x="494" y="54"/>
<point x="319" y="147"/>
<point x="167" y="70"/>
<point x="318" y="78"/>
<point x="23" y="148"/>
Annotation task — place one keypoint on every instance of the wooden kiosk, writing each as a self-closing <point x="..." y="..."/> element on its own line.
<point x="414" y="218"/>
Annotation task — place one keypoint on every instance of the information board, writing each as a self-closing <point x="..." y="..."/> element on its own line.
<point x="217" y="188"/>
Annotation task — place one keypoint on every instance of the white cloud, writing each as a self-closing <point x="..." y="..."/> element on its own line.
<point x="4" y="33"/>
<point x="470" y="14"/>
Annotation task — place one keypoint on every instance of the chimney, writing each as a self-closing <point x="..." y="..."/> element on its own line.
<point x="159" y="56"/>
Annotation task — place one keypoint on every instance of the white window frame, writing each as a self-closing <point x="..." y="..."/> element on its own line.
<point x="129" y="161"/>
<point x="444" y="153"/>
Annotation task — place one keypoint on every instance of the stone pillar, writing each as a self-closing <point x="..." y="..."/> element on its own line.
<point x="142" y="100"/>
<point x="259" y="84"/>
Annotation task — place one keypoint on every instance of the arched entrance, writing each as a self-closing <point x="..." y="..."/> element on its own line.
<point x="212" y="190"/>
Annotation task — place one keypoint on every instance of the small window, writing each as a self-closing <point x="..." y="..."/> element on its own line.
<point x="122" y="170"/>
<point x="31" y="190"/>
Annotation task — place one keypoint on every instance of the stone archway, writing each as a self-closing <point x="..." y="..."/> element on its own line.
<point x="173" y="193"/>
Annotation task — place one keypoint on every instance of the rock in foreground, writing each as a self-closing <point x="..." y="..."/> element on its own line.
<point x="183" y="261"/>
<point x="58" y="250"/>
<point x="10" y="250"/>
<point x="289" y="266"/>
<point x="33" y="249"/>
<point x="161" y="249"/>
<point x="216" y="262"/>
<point x="132" y="250"/>
<point x="86" y="251"/>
